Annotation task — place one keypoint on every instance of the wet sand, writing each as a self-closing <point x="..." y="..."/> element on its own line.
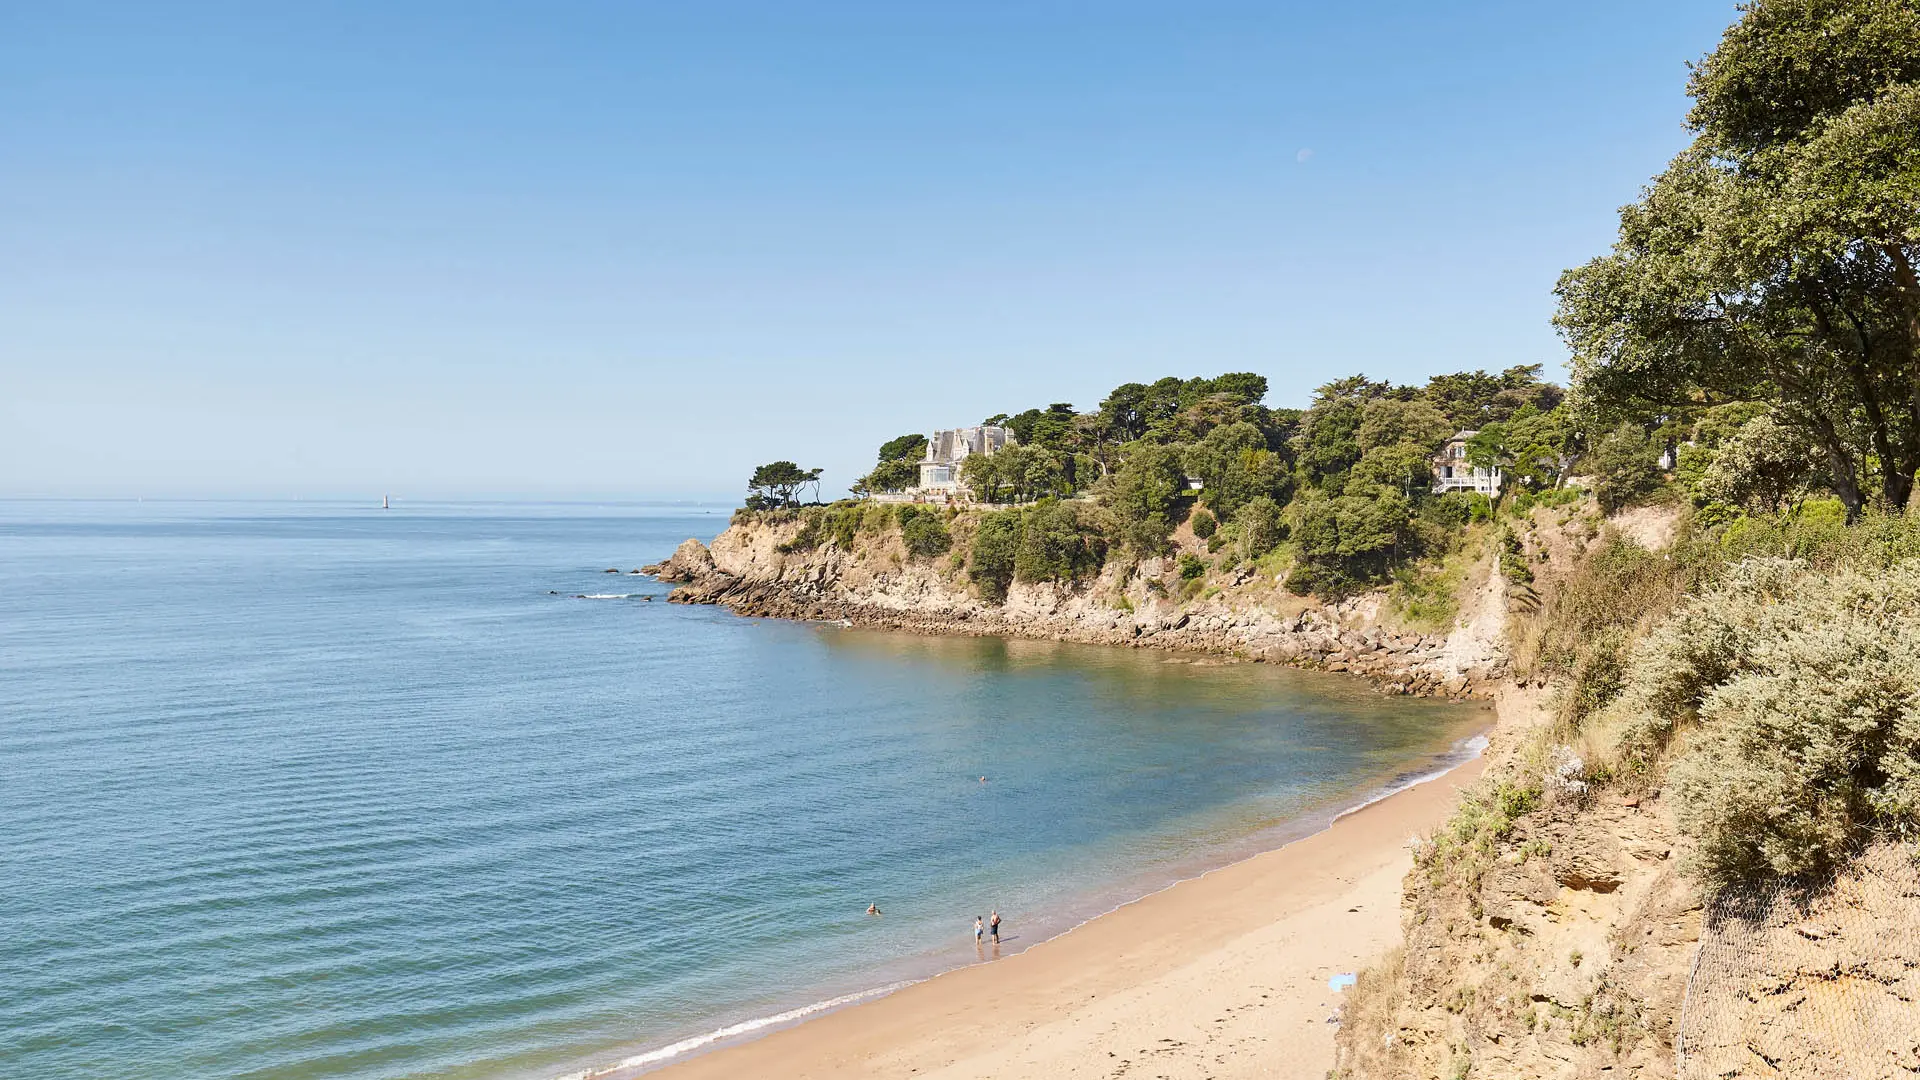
<point x="1221" y="976"/>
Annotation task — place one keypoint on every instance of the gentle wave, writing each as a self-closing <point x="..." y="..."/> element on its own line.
<point x="1462" y="752"/>
<point x="607" y="596"/>
<point x="744" y="1027"/>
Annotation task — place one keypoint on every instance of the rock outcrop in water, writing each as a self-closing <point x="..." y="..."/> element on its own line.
<point x="752" y="568"/>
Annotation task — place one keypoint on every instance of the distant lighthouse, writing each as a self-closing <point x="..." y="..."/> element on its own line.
<point x="386" y="502"/>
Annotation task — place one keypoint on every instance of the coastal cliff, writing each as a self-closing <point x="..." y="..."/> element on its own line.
<point x="762" y="566"/>
<point x="1586" y="912"/>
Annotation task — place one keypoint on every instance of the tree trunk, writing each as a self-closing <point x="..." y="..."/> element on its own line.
<point x="1840" y="464"/>
<point x="1908" y="286"/>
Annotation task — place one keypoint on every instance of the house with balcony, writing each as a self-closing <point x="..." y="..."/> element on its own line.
<point x="1452" y="471"/>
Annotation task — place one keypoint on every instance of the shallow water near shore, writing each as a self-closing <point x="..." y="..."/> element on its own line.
<point x="299" y="790"/>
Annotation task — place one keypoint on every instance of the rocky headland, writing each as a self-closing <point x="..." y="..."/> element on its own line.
<point x="753" y="569"/>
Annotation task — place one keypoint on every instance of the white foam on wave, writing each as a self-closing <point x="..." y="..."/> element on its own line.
<point x="1464" y="751"/>
<point x="607" y="596"/>
<point x="731" y="1031"/>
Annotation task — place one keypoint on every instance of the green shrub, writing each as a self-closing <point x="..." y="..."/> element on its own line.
<point x="1803" y="691"/>
<point x="1427" y="596"/>
<point x="1258" y="527"/>
<point x="1204" y="523"/>
<point x="1618" y="586"/>
<point x="924" y="531"/>
<point x="1465" y="847"/>
<point x="842" y="523"/>
<point x="996" y="544"/>
<point x="1555" y="497"/>
<point x="1349" y="542"/>
<point x="1058" y="543"/>
<point x="1191" y="567"/>
<point x="1625" y="466"/>
<point x="838" y="521"/>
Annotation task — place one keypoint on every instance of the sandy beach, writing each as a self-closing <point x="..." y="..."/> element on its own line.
<point x="1221" y="976"/>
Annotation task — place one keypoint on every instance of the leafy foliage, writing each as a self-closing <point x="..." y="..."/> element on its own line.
<point x="777" y="483"/>
<point x="1625" y="466"/>
<point x="1141" y="496"/>
<point x="1204" y="524"/>
<point x="1777" y="258"/>
<point x="924" y="531"/>
<point x="1058" y="542"/>
<point x="990" y="562"/>
<point x="1804" y="689"/>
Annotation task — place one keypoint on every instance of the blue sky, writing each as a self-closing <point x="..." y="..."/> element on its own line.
<point x="631" y="250"/>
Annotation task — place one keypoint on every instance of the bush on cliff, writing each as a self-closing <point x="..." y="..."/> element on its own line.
<point x="1048" y="541"/>
<point x="1799" y="692"/>
<point x="1204" y="524"/>
<point x="924" y="531"/>
<point x="1059" y="541"/>
<point x="990" y="558"/>
<point x="1625" y="466"/>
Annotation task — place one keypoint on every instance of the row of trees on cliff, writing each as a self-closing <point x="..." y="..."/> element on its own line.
<point x="1349" y="477"/>
<point x="1751" y="341"/>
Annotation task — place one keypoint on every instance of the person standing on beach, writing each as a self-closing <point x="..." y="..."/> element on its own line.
<point x="993" y="926"/>
<point x="979" y="930"/>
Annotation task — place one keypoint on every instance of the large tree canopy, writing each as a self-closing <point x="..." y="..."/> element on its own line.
<point x="779" y="482"/>
<point x="1775" y="259"/>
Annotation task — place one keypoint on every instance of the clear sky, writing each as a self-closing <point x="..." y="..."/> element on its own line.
<point x="631" y="250"/>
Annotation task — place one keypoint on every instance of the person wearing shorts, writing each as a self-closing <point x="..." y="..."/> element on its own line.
<point x="993" y="927"/>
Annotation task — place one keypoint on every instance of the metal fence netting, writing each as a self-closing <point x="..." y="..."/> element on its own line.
<point x="1820" y="981"/>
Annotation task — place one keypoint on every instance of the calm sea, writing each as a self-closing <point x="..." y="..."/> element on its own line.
<point x="297" y="790"/>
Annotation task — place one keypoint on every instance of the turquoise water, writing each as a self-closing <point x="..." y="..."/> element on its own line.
<point x="299" y="790"/>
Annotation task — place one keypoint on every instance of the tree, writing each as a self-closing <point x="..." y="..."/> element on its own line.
<point x="1473" y="399"/>
<point x="1531" y="448"/>
<point x="1625" y="467"/>
<point x="1776" y="259"/>
<point x="1406" y="468"/>
<point x="1140" y="497"/>
<point x="996" y="544"/>
<point x="1389" y="422"/>
<point x="1234" y="465"/>
<point x="983" y="475"/>
<point x="1763" y="466"/>
<point x="1348" y="541"/>
<point x="1204" y="524"/>
<point x="1051" y="428"/>
<point x="1243" y="387"/>
<point x="780" y="481"/>
<point x="1258" y="526"/>
<point x="924" y="531"/>
<point x="1124" y="412"/>
<point x="896" y="475"/>
<point x="1328" y="442"/>
<point x="1057" y="543"/>
<point x="904" y="447"/>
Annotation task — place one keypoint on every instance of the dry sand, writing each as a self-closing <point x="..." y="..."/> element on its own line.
<point x="1222" y="976"/>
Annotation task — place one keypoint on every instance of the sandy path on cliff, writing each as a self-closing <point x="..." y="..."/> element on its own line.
<point x="1222" y="976"/>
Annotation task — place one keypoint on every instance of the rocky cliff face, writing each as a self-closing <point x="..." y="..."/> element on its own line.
<point x="874" y="581"/>
<point x="1549" y="929"/>
<point x="1551" y="943"/>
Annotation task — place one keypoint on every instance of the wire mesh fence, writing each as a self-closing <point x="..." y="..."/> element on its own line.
<point x="1809" y="981"/>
